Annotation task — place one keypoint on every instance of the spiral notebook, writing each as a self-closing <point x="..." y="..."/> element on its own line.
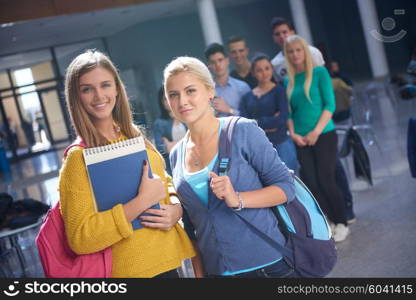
<point x="115" y="172"/>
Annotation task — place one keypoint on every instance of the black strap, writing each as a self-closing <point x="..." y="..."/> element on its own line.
<point x="282" y="249"/>
<point x="224" y="153"/>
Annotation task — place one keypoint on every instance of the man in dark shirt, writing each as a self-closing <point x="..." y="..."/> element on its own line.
<point x="238" y="52"/>
<point x="335" y="73"/>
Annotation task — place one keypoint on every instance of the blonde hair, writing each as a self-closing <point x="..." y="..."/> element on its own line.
<point x="291" y="69"/>
<point x="122" y="115"/>
<point x="192" y="66"/>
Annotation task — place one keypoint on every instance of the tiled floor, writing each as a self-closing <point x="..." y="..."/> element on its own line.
<point x="382" y="242"/>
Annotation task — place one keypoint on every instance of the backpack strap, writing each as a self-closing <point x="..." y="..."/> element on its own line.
<point x="56" y="208"/>
<point x="224" y="156"/>
<point x="77" y="143"/>
<point x="80" y="143"/>
<point x="285" y="251"/>
<point x="224" y="152"/>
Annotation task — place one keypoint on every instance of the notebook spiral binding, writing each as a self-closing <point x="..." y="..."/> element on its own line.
<point x="113" y="146"/>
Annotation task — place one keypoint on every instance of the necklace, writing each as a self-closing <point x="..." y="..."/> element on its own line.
<point x="196" y="161"/>
<point x="116" y="133"/>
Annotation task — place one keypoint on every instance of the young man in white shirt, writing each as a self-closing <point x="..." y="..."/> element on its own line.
<point x="281" y="30"/>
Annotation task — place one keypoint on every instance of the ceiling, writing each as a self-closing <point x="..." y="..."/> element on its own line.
<point x="40" y="33"/>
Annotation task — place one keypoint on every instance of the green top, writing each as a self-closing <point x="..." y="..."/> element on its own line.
<point x="306" y="115"/>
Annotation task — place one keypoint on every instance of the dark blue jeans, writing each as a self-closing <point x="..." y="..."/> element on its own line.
<point x="287" y="153"/>
<point x="277" y="270"/>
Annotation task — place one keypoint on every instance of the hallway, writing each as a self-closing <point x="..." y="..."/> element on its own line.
<point x="382" y="242"/>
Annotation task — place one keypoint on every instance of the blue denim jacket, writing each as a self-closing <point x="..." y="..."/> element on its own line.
<point x="225" y="241"/>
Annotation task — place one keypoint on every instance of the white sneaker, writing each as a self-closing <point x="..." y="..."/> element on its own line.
<point x="340" y="232"/>
<point x="351" y="221"/>
<point x="332" y="226"/>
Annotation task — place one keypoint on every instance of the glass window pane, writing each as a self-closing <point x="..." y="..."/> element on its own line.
<point x="23" y="77"/>
<point x="26" y="89"/>
<point x="42" y="71"/>
<point x="6" y="93"/>
<point x="38" y="72"/>
<point x="54" y="115"/>
<point x="10" y="108"/>
<point x="4" y="81"/>
<point x="15" y="124"/>
<point x="46" y="85"/>
<point x="26" y="59"/>
<point x="34" y="87"/>
<point x="32" y="112"/>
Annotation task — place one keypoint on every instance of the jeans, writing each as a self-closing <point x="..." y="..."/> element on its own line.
<point x="287" y="153"/>
<point x="279" y="269"/>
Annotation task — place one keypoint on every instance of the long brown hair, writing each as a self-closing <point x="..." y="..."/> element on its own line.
<point x="81" y="120"/>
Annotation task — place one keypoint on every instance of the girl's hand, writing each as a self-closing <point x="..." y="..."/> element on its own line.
<point x="299" y="140"/>
<point x="164" y="218"/>
<point x="311" y="138"/>
<point x="151" y="190"/>
<point x="222" y="188"/>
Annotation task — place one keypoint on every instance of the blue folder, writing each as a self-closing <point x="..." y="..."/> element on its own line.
<point x="115" y="172"/>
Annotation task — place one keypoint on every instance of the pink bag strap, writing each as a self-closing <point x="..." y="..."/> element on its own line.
<point x="78" y="142"/>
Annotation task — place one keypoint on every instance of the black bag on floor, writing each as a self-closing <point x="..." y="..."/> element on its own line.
<point x="23" y="213"/>
<point x="361" y="159"/>
<point x="5" y="204"/>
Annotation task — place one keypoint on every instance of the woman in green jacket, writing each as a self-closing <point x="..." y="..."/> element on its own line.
<point x="311" y="105"/>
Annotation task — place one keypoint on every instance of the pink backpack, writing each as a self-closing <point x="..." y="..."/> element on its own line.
<point x="57" y="258"/>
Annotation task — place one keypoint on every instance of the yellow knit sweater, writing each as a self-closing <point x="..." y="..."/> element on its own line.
<point x="141" y="253"/>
